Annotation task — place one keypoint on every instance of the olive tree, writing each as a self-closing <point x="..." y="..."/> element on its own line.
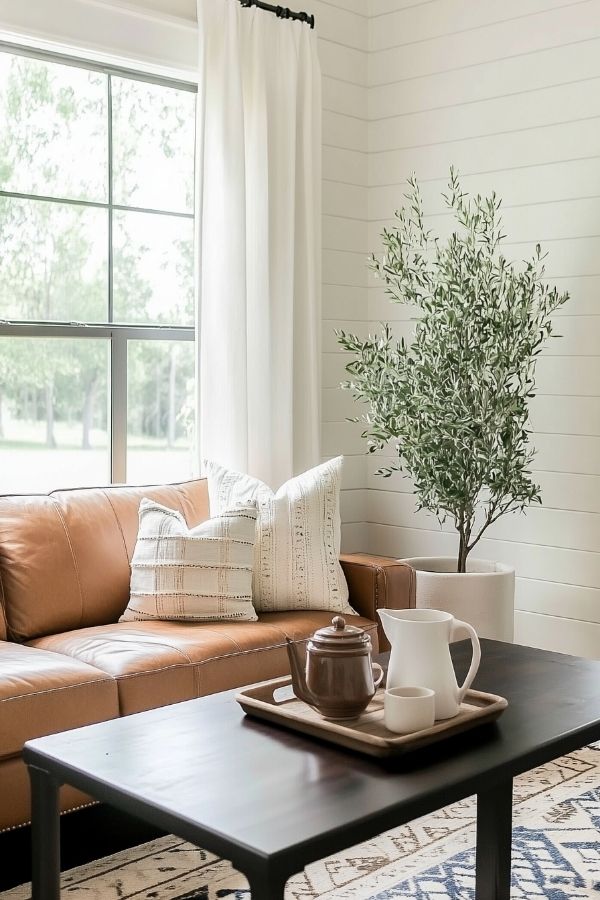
<point x="455" y="398"/>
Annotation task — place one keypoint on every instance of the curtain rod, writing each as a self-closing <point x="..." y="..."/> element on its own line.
<point x="282" y="12"/>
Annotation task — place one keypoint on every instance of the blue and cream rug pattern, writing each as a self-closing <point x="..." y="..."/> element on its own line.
<point x="556" y="854"/>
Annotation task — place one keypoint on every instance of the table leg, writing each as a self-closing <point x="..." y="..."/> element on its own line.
<point x="266" y="885"/>
<point x="494" y="835"/>
<point x="45" y="835"/>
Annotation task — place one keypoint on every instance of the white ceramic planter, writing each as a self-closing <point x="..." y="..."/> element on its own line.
<point x="484" y="595"/>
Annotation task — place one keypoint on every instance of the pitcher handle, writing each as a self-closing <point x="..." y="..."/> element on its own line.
<point x="377" y="681"/>
<point x="456" y="626"/>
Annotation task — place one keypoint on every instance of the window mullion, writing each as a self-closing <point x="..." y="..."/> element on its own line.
<point x="118" y="356"/>
<point x="118" y="407"/>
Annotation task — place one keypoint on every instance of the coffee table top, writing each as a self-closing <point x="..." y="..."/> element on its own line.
<point x="209" y="774"/>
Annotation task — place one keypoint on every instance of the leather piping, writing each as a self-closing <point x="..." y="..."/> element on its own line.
<point x="63" y="812"/>
<point x="119" y="526"/>
<point x="74" y="558"/>
<point x="64" y="687"/>
<point x="2" y="605"/>
<point x="203" y="662"/>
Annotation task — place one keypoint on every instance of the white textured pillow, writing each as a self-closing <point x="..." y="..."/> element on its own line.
<point x="296" y="556"/>
<point x="199" y="574"/>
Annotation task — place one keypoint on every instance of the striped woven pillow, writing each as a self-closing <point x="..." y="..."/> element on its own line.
<point x="296" y="557"/>
<point x="199" y="574"/>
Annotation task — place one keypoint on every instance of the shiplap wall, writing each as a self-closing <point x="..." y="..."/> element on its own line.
<point x="510" y="94"/>
<point x="343" y="35"/>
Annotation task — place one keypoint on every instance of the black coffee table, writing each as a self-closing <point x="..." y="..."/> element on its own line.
<point x="272" y="801"/>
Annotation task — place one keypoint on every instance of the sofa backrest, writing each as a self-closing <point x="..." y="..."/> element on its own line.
<point x="64" y="557"/>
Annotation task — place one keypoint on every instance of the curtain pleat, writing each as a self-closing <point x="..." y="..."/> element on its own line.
<point x="259" y="241"/>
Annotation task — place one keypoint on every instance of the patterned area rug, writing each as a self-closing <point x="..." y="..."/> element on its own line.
<point x="556" y="854"/>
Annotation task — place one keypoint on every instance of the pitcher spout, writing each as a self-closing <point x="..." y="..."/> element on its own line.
<point x="387" y="623"/>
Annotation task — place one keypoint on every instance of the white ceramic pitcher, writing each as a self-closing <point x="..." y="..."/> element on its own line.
<point x="420" y="654"/>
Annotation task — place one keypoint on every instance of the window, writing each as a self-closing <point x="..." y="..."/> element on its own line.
<point x="96" y="275"/>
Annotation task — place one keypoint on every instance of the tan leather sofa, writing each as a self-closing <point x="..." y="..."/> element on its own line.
<point x="65" y="661"/>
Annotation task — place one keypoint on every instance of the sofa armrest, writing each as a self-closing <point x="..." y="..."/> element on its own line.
<point x="378" y="582"/>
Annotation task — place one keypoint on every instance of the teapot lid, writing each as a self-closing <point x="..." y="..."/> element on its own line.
<point x="341" y="635"/>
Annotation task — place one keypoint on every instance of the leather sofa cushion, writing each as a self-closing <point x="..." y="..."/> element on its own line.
<point x="15" y="808"/>
<point x="42" y="693"/>
<point x="64" y="557"/>
<point x="156" y="663"/>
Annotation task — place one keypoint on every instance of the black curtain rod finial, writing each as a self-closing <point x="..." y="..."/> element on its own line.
<point x="282" y="12"/>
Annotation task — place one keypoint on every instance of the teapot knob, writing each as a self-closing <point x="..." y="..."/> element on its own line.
<point x="339" y="623"/>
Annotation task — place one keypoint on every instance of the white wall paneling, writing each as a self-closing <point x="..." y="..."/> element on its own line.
<point x="445" y="19"/>
<point x="508" y="93"/>
<point x="580" y="638"/>
<point x="550" y="27"/>
<point x="343" y="29"/>
<point x="343" y="302"/>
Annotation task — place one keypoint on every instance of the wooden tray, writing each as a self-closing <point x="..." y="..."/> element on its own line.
<point x="275" y="701"/>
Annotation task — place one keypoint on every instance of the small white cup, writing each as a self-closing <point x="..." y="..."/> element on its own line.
<point x="408" y="709"/>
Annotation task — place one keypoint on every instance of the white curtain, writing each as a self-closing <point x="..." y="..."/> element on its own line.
<point x="259" y="241"/>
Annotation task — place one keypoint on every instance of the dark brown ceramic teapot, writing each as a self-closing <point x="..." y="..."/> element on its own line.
<point x="339" y="679"/>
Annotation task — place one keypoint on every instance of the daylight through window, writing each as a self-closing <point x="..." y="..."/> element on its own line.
<point x="96" y="275"/>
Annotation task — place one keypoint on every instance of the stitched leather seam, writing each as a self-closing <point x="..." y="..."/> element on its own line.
<point x="7" y="629"/>
<point x="382" y="570"/>
<point x="114" y="512"/>
<point x="63" y="812"/>
<point x="75" y="566"/>
<point x="235" y="643"/>
<point x="64" y="687"/>
<point x="116" y="639"/>
<point x="203" y="662"/>
<point x="200" y="662"/>
<point x="221" y="635"/>
<point x="181" y="497"/>
<point x="257" y="650"/>
<point x="372" y="562"/>
<point x="278" y="630"/>
<point x="175" y="650"/>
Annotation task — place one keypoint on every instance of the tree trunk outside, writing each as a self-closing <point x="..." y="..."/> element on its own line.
<point x="172" y="395"/>
<point x="158" y="410"/>
<point x="49" y="392"/>
<point x="88" y="410"/>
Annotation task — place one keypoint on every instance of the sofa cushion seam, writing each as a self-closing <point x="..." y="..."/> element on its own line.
<point x="119" y="526"/>
<point x="73" y="557"/>
<point x="65" y="687"/>
<point x="117" y="639"/>
<point x="7" y="629"/>
<point x="202" y="662"/>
